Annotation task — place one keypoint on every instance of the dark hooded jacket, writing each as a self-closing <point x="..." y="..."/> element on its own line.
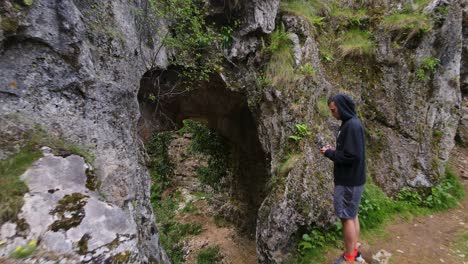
<point x="349" y="156"/>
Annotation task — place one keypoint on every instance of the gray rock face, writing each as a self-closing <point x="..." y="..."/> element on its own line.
<point x="411" y="125"/>
<point x="74" y="67"/>
<point x="416" y="121"/>
<point x="52" y="181"/>
<point x="258" y="17"/>
<point x="462" y="133"/>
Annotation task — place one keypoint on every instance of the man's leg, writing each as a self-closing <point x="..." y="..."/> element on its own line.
<point x="357" y="228"/>
<point x="349" y="233"/>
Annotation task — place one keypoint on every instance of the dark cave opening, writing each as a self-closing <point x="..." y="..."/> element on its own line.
<point x="166" y="100"/>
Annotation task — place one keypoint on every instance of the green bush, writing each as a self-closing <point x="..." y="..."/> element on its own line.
<point x="428" y="65"/>
<point x="316" y="239"/>
<point x="171" y="232"/>
<point x="343" y="16"/>
<point x="207" y="142"/>
<point x="210" y="255"/>
<point x="160" y="166"/>
<point x="190" y="37"/>
<point x="442" y="196"/>
<point x="302" y="131"/>
<point x="307" y="70"/>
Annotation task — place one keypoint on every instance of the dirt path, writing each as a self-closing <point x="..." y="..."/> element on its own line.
<point x="235" y="248"/>
<point x="427" y="239"/>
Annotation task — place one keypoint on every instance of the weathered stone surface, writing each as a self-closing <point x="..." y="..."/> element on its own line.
<point x="410" y="127"/>
<point x="77" y="70"/>
<point x="74" y="67"/>
<point x="50" y="181"/>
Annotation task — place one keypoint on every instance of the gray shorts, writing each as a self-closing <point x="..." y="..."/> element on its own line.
<point x="346" y="200"/>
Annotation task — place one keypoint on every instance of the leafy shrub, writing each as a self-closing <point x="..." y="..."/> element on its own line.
<point x="442" y="196"/>
<point x="190" y="37"/>
<point x="302" y="131"/>
<point x="172" y="233"/>
<point x="207" y="142"/>
<point x="343" y="16"/>
<point x="160" y="165"/>
<point x="210" y="255"/>
<point x="428" y="65"/>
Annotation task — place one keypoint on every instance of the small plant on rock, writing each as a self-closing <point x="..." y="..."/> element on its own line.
<point x="26" y="251"/>
<point x="302" y="131"/>
<point x="428" y="65"/>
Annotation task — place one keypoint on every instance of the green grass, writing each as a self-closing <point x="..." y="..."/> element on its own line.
<point x="460" y="243"/>
<point x="310" y="10"/>
<point x="356" y="43"/>
<point x="12" y="188"/>
<point x="280" y="67"/>
<point x="407" y="25"/>
<point x="321" y="106"/>
<point x="210" y="255"/>
<point x="39" y="138"/>
<point x="171" y="232"/>
<point x="346" y="16"/>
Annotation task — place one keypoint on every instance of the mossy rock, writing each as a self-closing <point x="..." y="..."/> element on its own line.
<point x="73" y="204"/>
<point x="83" y="244"/>
<point x="120" y="258"/>
<point x="9" y="25"/>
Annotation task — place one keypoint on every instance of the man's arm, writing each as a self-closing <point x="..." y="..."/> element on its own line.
<point x="351" y="150"/>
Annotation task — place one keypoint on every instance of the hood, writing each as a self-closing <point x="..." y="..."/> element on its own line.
<point x="346" y="106"/>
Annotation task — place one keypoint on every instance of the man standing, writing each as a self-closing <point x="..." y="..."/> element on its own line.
<point x="349" y="172"/>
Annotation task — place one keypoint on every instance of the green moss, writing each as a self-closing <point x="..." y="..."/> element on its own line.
<point x="92" y="182"/>
<point x="288" y="164"/>
<point x="72" y="204"/>
<point x="12" y="188"/>
<point x="120" y="258"/>
<point x="114" y="244"/>
<point x="83" y="244"/>
<point x="38" y="137"/>
<point x="9" y="25"/>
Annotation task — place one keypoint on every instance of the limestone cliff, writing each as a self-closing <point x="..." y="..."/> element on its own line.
<point x="85" y="72"/>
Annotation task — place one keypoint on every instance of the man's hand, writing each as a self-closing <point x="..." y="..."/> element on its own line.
<point x="327" y="147"/>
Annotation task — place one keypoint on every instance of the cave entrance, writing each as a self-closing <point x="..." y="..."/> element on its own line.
<point x="166" y="101"/>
